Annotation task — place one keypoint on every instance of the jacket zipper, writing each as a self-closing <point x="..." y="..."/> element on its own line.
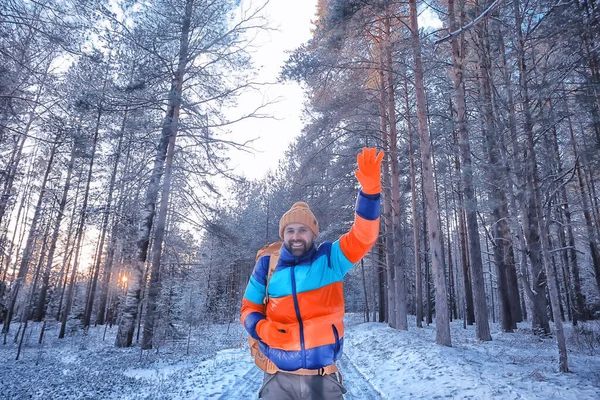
<point x="295" y="296"/>
<point x="336" y="335"/>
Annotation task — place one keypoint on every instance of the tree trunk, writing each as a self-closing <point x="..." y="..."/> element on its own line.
<point x="478" y="284"/>
<point x="8" y="260"/>
<point x="31" y="237"/>
<point x="415" y="213"/>
<point x="374" y="284"/>
<point x="41" y="308"/>
<point x="593" y="197"/>
<point x="441" y="302"/>
<point x="497" y="195"/>
<point x="566" y="269"/>
<point x="509" y="254"/>
<point x="453" y="309"/>
<point x="11" y="171"/>
<point x="586" y="211"/>
<point x="399" y="281"/>
<point x="17" y="154"/>
<point x="155" y="283"/>
<point x="381" y="281"/>
<point x="28" y="310"/>
<point x="169" y="128"/>
<point x="104" y="227"/>
<point x="462" y="242"/>
<point x="589" y="24"/>
<point x="80" y="232"/>
<point x="437" y="198"/>
<point x="560" y="228"/>
<point x="426" y="250"/>
<point x="365" y="293"/>
<point x="387" y="203"/>
<point x="489" y="263"/>
<point x="579" y="312"/>
<point x="535" y="292"/>
<point x="535" y="198"/>
<point x="110" y="252"/>
<point x="459" y="252"/>
<point x="66" y="263"/>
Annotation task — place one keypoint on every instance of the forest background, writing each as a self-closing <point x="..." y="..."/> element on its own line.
<point x="115" y="130"/>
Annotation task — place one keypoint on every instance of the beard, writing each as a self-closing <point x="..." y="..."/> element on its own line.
<point x="296" y="250"/>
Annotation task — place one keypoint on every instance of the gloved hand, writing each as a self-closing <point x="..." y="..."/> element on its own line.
<point x="369" y="170"/>
<point x="274" y="334"/>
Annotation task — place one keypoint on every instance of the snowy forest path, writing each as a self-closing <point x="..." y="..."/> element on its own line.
<point x="247" y="385"/>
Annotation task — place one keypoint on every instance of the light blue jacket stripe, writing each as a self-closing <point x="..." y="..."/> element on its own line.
<point x="255" y="292"/>
<point x="339" y="262"/>
<point x="319" y="274"/>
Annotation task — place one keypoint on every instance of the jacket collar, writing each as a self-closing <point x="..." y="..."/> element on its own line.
<point x="288" y="258"/>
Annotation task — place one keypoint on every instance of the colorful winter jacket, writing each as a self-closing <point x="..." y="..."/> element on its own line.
<point x="305" y="310"/>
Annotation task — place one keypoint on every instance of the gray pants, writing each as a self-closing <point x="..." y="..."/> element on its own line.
<point x="284" y="386"/>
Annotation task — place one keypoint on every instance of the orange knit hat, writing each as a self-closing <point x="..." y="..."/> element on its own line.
<point x="300" y="214"/>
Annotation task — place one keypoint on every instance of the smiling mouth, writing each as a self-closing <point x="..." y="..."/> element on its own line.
<point x="297" y="246"/>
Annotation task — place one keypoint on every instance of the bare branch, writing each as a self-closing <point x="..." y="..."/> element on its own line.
<point x="471" y="24"/>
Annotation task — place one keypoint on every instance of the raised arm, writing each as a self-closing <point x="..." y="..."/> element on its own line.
<point x="365" y="229"/>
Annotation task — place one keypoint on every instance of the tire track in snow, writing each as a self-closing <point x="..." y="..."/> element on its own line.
<point x="359" y="387"/>
<point x="246" y="387"/>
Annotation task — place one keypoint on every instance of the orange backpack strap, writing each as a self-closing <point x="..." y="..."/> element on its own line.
<point x="273" y="260"/>
<point x="272" y="250"/>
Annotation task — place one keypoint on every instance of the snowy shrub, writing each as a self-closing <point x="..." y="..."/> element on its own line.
<point x="585" y="337"/>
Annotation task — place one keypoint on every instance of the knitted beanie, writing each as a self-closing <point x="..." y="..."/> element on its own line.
<point x="300" y="214"/>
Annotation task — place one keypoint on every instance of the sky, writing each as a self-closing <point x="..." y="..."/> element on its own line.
<point x="378" y="363"/>
<point x="292" y="19"/>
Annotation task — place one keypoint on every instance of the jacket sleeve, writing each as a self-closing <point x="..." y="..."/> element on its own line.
<point x="253" y="309"/>
<point x="364" y="231"/>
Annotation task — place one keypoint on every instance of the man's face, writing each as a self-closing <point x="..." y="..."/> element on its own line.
<point x="298" y="239"/>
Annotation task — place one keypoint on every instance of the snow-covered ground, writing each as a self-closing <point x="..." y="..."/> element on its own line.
<point x="379" y="363"/>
